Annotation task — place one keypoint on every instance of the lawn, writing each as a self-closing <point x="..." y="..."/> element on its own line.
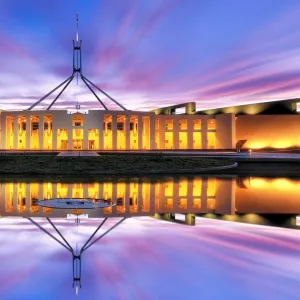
<point x="104" y="164"/>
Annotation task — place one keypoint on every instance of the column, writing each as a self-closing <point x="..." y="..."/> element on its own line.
<point x="15" y="198"/>
<point x="162" y="130"/>
<point x="152" y="132"/>
<point x="175" y="194"/>
<point x="3" y="199"/>
<point x="70" y="138"/>
<point x="140" y="198"/>
<point x="114" y="198"/>
<point x="28" y="132"/>
<point x="100" y="195"/>
<point x="127" y="198"/>
<point x="16" y="131"/>
<point x="101" y="131"/>
<point x="225" y="197"/>
<point x="41" y="191"/>
<point x="54" y="190"/>
<point x="204" y="133"/>
<point x="204" y="195"/>
<point x="85" y="138"/>
<point x="27" y="196"/>
<point x="152" y="197"/>
<point x="189" y="196"/>
<point x="70" y="190"/>
<point x="114" y="132"/>
<point x="162" y="197"/>
<point x="140" y="132"/>
<point x="54" y="135"/>
<point x="4" y="130"/>
<point x="190" y="130"/>
<point x="41" y="131"/>
<point x="85" y="190"/>
<point x="175" y="134"/>
<point x="127" y="132"/>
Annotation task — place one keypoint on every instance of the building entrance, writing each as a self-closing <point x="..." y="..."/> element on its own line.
<point x="91" y="145"/>
<point x="64" y="145"/>
<point x="77" y="144"/>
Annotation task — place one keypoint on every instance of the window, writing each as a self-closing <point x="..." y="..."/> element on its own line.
<point x="77" y="119"/>
<point x="35" y="125"/>
<point x="169" y="124"/>
<point x="197" y="124"/>
<point x="47" y="125"/>
<point x="120" y="126"/>
<point x="211" y="124"/>
<point x="183" y="124"/>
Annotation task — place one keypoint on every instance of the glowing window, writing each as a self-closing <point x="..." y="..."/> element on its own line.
<point x="182" y="124"/>
<point x="77" y="119"/>
<point x="197" y="124"/>
<point x="169" y="124"/>
<point x="211" y="124"/>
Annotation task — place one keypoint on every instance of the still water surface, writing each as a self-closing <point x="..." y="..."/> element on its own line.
<point x="146" y="258"/>
<point x="145" y="197"/>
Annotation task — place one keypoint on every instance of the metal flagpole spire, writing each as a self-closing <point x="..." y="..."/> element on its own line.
<point x="77" y="40"/>
<point x="77" y="69"/>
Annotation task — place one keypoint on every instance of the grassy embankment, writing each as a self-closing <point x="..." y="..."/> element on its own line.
<point x="119" y="164"/>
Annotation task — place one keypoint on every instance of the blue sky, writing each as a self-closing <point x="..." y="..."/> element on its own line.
<point x="148" y="54"/>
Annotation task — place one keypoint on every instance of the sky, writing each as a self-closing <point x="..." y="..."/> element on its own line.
<point x="149" y="54"/>
<point x="148" y="259"/>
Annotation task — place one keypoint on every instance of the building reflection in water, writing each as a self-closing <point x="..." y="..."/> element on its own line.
<point x="198" y="195"/>
<point x="132" y="198"/>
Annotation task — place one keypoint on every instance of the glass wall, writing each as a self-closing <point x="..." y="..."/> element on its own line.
<point x="62" y="139"/>
<point x="22" y="132"/>
<point x="77" y="137"/>
<point x="34" y="132"/>
<point x="157" y="134"/>
<point x="93" y="139"/>
<point x="146" y="132"/>
<point x="107" y="127"/>
<point x="121" y="132"/>
<point x="134" y="132"/>
<point x="48" y="132"/>
<point x="10" y="132"/>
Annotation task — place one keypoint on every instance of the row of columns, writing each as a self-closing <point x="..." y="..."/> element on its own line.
<point x="148" y="201"/>
<point x="98" y="124"/>
<point x="144" y="206"/>
<point x="114" y="132"/>
<point x="190" y="130"/>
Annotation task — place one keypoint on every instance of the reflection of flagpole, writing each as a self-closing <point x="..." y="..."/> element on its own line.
<point x="77" y="27"/>
<point x="76" y="254"/>
<point x="77" y="40"/>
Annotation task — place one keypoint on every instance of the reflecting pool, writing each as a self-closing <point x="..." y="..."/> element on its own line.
<point x="154" y="253"/>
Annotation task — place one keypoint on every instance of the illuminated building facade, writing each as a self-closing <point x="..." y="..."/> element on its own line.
<point x="114" y="130"/>
<point x="254" y="126"/>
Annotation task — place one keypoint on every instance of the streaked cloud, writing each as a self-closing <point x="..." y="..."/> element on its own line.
<point x="149" y="54"/>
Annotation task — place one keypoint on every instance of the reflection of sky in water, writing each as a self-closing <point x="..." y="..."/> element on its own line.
<point x="150" y="259"/>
